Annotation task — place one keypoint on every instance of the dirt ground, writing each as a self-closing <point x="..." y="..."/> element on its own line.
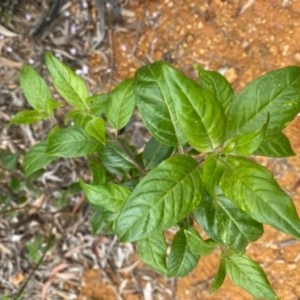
<point x="241" y="39"/>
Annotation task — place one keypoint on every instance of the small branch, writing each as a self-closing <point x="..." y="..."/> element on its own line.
<point x="181" y="150"/>
<point x="124" y="149"/>
<point x="23" y="287"/>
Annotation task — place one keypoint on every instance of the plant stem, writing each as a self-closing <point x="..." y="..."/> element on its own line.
<point x="23" y="287"/>
<point x="125" y="150"/>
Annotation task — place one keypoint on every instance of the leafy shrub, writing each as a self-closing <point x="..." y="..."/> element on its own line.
<point x="194" y="171"/>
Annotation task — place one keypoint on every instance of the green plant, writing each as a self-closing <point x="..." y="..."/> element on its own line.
<point x="14" y="185"/>
<point x="34" y="249"/>
<point x="195" y="169"/>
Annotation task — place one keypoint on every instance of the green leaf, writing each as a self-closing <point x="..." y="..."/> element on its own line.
<point x="254" y="190"/>
<point x="98" y="171"/>
<point x="34" y="249"/>
<point x="219" y="277"/>
<point x="71" y="142"/>
<point x="69" y="85"/>
<point x="102" y="220"/>
<point x="226" y="223"/>
<point x="27" y="117"/>
<point x="249" y="275"/>
<point x="37" y="158"/>
<point x="96" y="128"/>
<point x="9" y="160"/>
<point x="246" y="144"/>
<point x="277" y="145"/>
<point x="51" y="105"/>
<point x="167" y="194"/>
<point x="131" y="184"/>
<point x="217" y="84"/>
<point x="154" y="98"/>
<point x="109" y="196"/>
<point x="154" y="153"/>
<point x="153" y="251"/>
<point x="121" y="104"/>
<point x="277" y="94"/>
<point x="181" y="260"/>
<point x="197" y="245"/>
<point x="79" y="117"/>
<point x="114" y="159"/>
<point x="52" y="131"/>
<point x="35" y="89"/>
<point x="211" y="173"/>
<point x="200" y="115"/>
<point x="201" y="118"/>
<point x="98" y="104"/>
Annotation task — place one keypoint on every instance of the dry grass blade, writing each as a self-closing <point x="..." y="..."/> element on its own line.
<point x="6" y="32"/>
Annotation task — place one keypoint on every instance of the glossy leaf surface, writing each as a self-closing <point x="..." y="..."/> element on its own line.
<point x="98" y="171"/>
<point x="249" y="275"/>
<point x="197" y="245"/>
<point x="35" y="89"/>
<point x="27" y="116"/>
<point x="71" y="142"/>
<point x="154" y="97"/>
<point x="114" y="159"/>
<point x="154" y="153"/>
<point x="211" y="173"/>
<point x="277" y="145"/>
<point x="69" y="85"/>
<point x="254" y="190"/>
<point x="181" y="260"/>
<point x="246" y="144"/>
<point x="219" y="277"/>
<point x="226" y="223"/>
<point x="217" y="84"/>
<point x="37" y="158"/>
<point x="153" y="252"/>
<point x="98" y="104"/>
<point x="96" y="128"/>
<point x="276" y="93"/>
<point x="80" y="118"/>
<point x="109" y="196"/>
<point x="102" y="220"/>
<point x="121" y="104"/>
<point x="200" y="114"/>
<point x="162" y="198"/>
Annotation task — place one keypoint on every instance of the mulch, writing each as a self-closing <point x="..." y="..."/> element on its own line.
<point x="46" y="242"/>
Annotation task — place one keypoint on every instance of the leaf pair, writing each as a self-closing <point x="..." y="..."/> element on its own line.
<point x="277" y="95"/>
<point x="68" y="142"/>
<point x="73" y="141"/>
<point x="175" y="109"/>
<point x="245" y="273"/>
<point x="253" y="194"/>
<point x="185" y="251"/>
<point x="38" y="96"/>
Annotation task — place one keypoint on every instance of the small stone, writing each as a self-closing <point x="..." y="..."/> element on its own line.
<point x="231" y="74"/>
<point x="285" y="50"/>
<point x="171" y="4"/>
<point x="297" y="56"/>
<point x="200" y="25"/>
<point x="292" y="266"/>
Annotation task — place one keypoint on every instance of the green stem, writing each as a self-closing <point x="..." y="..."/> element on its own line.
<point x="23" y="287"/>
<point x="125" y="150"/>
